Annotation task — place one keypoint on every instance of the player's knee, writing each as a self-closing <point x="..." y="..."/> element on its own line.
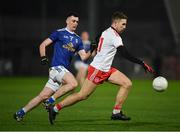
<point x="74" y="84"/>
<point x="130" y="84"/>
<point x="127" y="84"/>
<point x="43" y="96"/>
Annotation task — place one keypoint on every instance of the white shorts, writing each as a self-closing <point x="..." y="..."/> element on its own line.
<point x="56" y="75"/>
<point x="79" y="64"/>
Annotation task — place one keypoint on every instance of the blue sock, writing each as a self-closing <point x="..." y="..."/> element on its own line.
<point x="21" y="112"/>
<point x="51" y="100"/>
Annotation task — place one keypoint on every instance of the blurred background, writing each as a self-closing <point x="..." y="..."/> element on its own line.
<point x="153" y="32"/>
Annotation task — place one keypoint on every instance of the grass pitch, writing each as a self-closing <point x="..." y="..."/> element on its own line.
<point x="148" y="109"/>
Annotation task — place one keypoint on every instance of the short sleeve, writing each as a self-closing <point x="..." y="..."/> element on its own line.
<point x="117" y="40"/>
<point x="54" y="36"/>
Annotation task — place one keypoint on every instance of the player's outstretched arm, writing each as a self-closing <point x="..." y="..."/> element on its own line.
<point x="123" y="51"/>
<point x="84" y="55"/>
<point x="42" y="50"/>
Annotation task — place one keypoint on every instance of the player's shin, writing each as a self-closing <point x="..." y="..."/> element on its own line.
<point x="120" y="98"/>
<point x="117" y="113"/>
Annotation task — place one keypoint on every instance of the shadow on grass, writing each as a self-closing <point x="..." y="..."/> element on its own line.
<point x="108" y="122"/>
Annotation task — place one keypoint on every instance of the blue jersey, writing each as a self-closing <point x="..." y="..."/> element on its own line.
<point x="66" y="44"/>
<point x="87" y="48"/>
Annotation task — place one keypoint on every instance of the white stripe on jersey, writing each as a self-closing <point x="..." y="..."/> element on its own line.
<point x="62" y="29"/>
<point x="65" y="29"/>
<point x="106" y="50"/>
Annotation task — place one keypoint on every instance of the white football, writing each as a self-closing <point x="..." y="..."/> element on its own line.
<point x="160" y="84"/>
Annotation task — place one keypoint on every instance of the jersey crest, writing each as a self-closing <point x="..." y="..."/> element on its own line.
<point x="69" y="47"/>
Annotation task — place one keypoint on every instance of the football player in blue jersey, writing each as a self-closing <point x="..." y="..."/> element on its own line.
<point x="80" y="65"/>
<point x="66" y="43"/>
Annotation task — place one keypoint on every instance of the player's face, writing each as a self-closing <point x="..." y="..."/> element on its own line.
<point x="121" y="25"/>
<point x="72" y="23"/>
<point x="84" y="36"/>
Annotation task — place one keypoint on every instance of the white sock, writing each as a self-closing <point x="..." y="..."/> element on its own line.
<point x="115" y="111"/>
<point x="53" y="98"/>
<point x="24" y="110"/>
<point x="55" y="109"/>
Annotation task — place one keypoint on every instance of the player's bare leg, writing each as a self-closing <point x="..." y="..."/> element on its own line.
<point x="87" y="89"/>
<point x="81" y="75"/>
<point x="125" y="85"/>
<point x="44" y="94"/>
<point x="69" y="84"/>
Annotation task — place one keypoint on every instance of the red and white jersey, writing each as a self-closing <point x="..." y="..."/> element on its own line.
<point x="107" y="47"/>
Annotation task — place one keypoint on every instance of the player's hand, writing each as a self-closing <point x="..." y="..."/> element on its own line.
<point x="44" y="60"/>
<point x="93" y="47"/>
<point x="147" y="68"/>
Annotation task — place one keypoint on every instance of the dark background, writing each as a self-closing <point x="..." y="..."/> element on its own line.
<point x="153" y="32"/>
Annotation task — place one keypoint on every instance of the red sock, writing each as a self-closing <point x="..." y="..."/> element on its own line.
<point x="57" y="107"/>
<point x="117" y="107"/>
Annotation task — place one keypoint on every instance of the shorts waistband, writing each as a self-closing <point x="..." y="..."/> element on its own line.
<point x="56" y="67"/>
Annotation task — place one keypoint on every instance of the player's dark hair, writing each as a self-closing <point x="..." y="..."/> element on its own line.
<point x="72" y="14"/>
<point x="118" y="15"/>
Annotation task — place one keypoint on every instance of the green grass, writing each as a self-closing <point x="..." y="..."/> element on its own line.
<point x="149" y="110"/>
